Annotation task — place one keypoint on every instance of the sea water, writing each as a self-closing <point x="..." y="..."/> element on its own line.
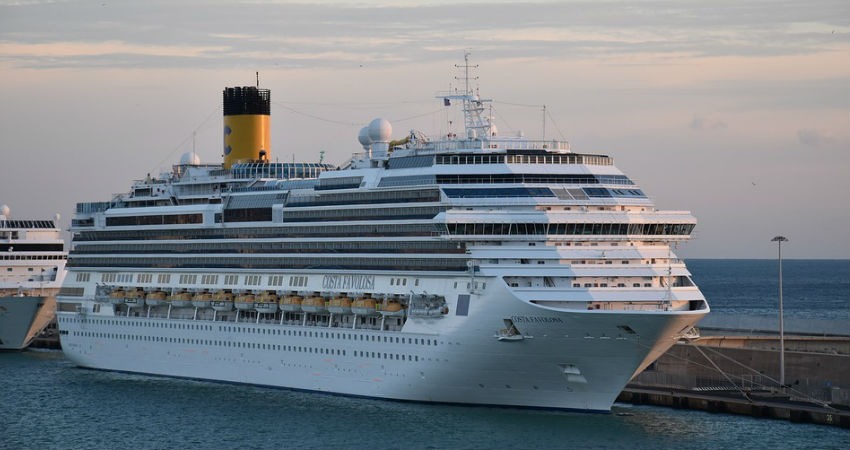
<point x="811" y="289"/>
<point x="48" y="403"/>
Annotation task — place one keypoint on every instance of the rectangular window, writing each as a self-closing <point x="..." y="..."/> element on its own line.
<point x="188" y="278"/>
<point x="462" y="305"/>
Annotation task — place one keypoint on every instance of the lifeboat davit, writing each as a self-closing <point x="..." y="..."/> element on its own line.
<point x="202" y="300"/>
<point x="222" y="301"/>
<point x="181" y="299"/>
<point x="340" y="305"/>
<point x="365" y="306"/>
<point x="116" y="297"/>
<point x="156" y="298"/>
<point x="134" y="298"/>
<point x="291" y="303"/>
<point x="266" y="303"/>
<point x="244" y="302"/>
<point x="314" y="304"/>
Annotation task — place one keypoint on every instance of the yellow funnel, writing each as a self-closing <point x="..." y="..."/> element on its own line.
<point x="247" y="133"/>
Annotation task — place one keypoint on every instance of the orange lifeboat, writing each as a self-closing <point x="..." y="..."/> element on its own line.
<point x="266" y="302"/>
<point x="222" y="301"/>
<point x="182" y="299"/>
<point x="314" y="304"/>
<point x="244" y="302"/>
<point x="202" y="300"/>
<point x="156" y="298"/>
<point x="116" y="297"/>
<point x="392" y="308"/>
<point x="341" y="304"/>
<point x="134" y="298"/>
<point x="291" y="303"/>
<point x="365" y="306"/>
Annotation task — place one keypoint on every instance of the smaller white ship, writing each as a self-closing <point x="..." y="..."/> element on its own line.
<point x="32" y="268"/>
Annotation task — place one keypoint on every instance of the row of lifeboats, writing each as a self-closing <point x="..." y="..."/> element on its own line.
<point x="263" y="302"/>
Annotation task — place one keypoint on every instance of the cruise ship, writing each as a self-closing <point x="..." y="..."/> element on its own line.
<point x="32" y="267"/>
<point x="468" y="268"/>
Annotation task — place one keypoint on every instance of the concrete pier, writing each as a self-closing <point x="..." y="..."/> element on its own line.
<point x="732" y="371"/>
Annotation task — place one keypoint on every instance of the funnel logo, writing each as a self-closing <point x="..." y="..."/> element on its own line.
<point x="227" y="148"/>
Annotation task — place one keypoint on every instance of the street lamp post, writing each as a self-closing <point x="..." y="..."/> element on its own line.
<point x="779" y="240"/>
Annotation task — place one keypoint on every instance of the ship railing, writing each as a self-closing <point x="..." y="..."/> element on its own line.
<point x="493" y="143"/>
<point x="474" y="145"/>
<point x="193" y="313"/>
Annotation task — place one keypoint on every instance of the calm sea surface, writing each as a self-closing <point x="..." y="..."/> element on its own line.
<point x="811" y="289"/>
<point x="47" y="403"/>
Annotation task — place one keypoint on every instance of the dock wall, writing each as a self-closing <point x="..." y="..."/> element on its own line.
<point x="739" y="374"/>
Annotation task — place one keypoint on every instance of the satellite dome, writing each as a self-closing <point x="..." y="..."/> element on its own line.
<point x="364" y="138"/>
<point x="493" y="130"/>
<point x="190" y="159"/>
<point x="380" y="130"/>
<point x="4" y="210"/>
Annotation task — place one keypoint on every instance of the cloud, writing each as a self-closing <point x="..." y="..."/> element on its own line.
<point x="76" y="49"/>
<point x="700" y="122"/>
<point x="813" y="138"/>
<point x="418" y="30"/>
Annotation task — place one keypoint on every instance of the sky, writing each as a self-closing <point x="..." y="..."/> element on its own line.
<point x="736" y="111"/>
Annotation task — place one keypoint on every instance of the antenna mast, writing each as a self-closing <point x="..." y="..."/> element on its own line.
<point x="466" y="68"/>
<point x="477" y="126"/>
<point x="544" y="122"/>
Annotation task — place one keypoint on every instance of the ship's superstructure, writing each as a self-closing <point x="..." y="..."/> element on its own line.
<point x="466" y="269"/>
<point x="32" y="267"/>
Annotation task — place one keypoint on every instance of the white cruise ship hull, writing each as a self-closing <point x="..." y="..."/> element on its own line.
<point x="22" y="318"/>
<point x="576" y="360"/>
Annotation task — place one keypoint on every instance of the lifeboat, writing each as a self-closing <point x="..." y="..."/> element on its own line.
<point x="365" y="306"/>
<point x="314" y="304"/>
<point x="392" y="308"/>
<point x="202" y="300"/>
<point x="116" y="297"/>
<point x="341" y="304"/>
<point x="266" y="303"/>
<point x="244" y="301"/>
<point x="156" y="298"/>
<point x="291" y="303"/>
<point x="222" y="301"/>
<point x="134" y="298"/>
<point x="182" y="299"/>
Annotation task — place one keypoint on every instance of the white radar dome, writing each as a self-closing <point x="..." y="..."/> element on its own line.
<point x="380" y="130"/>
<point x="4" y="210"/>
<point x="493" y="130"/>
<point x="190" y="159"/>
<point x="364" y="138"/>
